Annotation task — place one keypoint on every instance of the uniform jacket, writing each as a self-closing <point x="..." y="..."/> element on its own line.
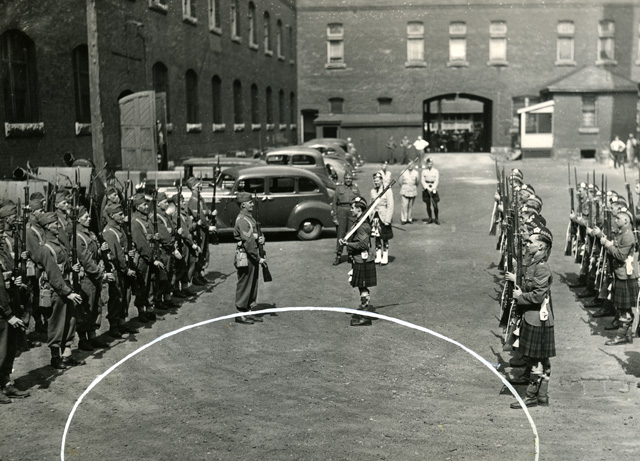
<point x="35" y="239"/>
<point x="5" y="301"/>
<point x="536" y="287"/>
<point x="55" y="264"/>
<point x="118" y="243"/>
<point x="360" y="242"/>
<point x="246" y="231"/>
<point x="623" y="246"/>
<point x="140" y="230"/>
<point x="409" y="183"/>
<point x="344" y="195"/>
<point x="385" y="205"/>
<point x="430" y="179"/>
<point x="88" y="254"/>
<point x="64" y="229"/>
<point x="166" y="229"/>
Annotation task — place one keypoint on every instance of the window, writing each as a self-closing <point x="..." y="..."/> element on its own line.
<point x="565" y="48"/>
<point x="160" y="75"/>
<point x="267" y="33"/>
<point x="214" y="15"/>
<point x="384" y="105"/>
<point x="238" y="109"/>
<point x="253" y="34"/>
<point x="606" y="41"/>
<point x="292" y="49"/>
<point x="307" y="185"/>
<point x="282" y="185"/>
<point x="292" y="108"/>
<point x="300" y="159"/>
<point x="18" y="57"/>
<point x="255" y="105"/>
<point x="81" y="83"/>
<point x="335" y="45"/>
<point x="216" y="92"/>
<point x="277" y="159"/>
<point x="336" y="105"/>
<point x="279" y="39"/>
<point x="269" y="106"/>
<point x="281" y="109"/>
<point x="189" y="11"/>
<point x="252" y="185"/>
<point x="588" y="112"/>
<point x="236" y="33"/>
<point x="498" y="42"/>
<point x="539" y="123"/>
<point x="415" y="42"/>
<point x="457" y="43"/>
<point x="191" y="79"/>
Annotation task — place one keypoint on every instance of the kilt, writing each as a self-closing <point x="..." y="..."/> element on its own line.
<point x="625" y="294"/>
<point x="537" y="342"/>
<point x="386" y="231"/>
<point x="364" y="275"/>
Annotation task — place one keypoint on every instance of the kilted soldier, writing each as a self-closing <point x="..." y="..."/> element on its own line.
<point x="363" y="267"/>
<point x="10" y="326"/>
<point x="93" y="275"/>
<point x="381" y="223"/>
<point x="537" y="340"/>
<point x="53" y="256"/>
<point x="341" y="211"/>
<point x="624" y="264"/>
<point x="120" y="288"/>
<point x="141" y="233"/>
<point x="248" y="259"/>
<point x="200" y="231"/>
<point x="166" y="229"/>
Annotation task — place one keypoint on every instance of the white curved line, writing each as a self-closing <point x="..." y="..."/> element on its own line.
<point x="306" y="308"/>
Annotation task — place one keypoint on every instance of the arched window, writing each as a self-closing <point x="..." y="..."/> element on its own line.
<point x="279" y="38"/>
<point x="269" y="106"/>
<point x="191" y="79"/>
<point x="20" y="93"/>
<point x="161" y="83"/>
<point x="253" y="33"/>
<point x="216" y="92"/>
<point x="292" y="108"/>
<point x="267" y="32"/>
<point x="255" y="105"/>
<point x="81" y="83"/>
<point x="281" y="108"/>
<point x="238" y="109"/>
<point x="236" y="31"/>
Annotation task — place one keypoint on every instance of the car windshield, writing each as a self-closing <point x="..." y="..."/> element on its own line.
<point x="277" y="159"/>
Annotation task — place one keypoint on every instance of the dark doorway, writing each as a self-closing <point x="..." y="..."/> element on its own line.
<point x="457" y="122"/>
<point x="309" y="127"/>
<point x="329" y="131"/>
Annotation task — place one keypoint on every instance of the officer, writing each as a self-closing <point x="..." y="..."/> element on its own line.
<point x="341" y="211"/>
<point x="248" y="259"/>
<point x="53" y="256"/>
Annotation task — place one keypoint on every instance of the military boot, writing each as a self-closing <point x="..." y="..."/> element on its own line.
<point x="543" y="391"/>
<point x="531" y="397"/>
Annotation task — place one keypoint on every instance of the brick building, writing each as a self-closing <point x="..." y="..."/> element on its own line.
<point x="227" y="68"/>
<point x="459" y="71"/>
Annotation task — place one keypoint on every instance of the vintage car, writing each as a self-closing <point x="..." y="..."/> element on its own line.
<point x="332" y="147"/>
<point x="286" y="198"/>
<point x="305" y="158"/>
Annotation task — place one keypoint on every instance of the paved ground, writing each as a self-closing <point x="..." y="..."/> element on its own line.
<point x="306" y="385"/>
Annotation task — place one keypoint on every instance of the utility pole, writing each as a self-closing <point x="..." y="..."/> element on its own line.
<point x="97" y="135"/>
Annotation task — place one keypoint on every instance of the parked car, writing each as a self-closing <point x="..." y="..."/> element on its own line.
<point x="304" y="158"/>
<point x="330" y="147"/>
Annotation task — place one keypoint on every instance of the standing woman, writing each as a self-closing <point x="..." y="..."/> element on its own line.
<point x="537" y="340"/>
<point x="381" y="225"/>
<point x="363" y="267"/>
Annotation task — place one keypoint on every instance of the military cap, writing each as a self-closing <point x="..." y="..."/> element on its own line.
<point x="244" y="197"/>
<point x="620" y="201"/>
<point x="138" y="199"/>
<point x="110" y="190"/>
<point x="191" y="182"/>
<point x="36" y="196"/>
<point x="82" y="210"/>
<point x="112" y="209"/>
<point x="590" y="186"/>
<point x="626" y="211"/>
<point x="377" y="174"/>
<point x="528" y="187"/>
<point x="534" y="201"/>
<point x="582" y="185"/>
<point x="360" y="202"/>
<point x="47" y="218"/>
<point x="528" y="209"/>
<point x="62" y="196"/>
<point x="538" y="221"/>
<point x="543" y="233"/>
<point x="36" y="204"/>
<point x="8" y="209"/>
<point x="516" y="173"/>
<point x="161" y="197"/>
<point x="429" y="160"/>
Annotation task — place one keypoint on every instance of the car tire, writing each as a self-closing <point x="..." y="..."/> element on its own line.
<point x="309" y="229"/>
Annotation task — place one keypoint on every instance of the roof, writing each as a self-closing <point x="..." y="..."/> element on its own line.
<point x="272" y="170"/>
<point x="591" y="79"/>
<point x="293" y="150"/>
<point x="546" y="106"/>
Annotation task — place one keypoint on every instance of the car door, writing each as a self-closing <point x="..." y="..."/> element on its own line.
<point x="281" y="198"/>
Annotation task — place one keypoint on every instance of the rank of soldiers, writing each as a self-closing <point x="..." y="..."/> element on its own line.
<point x="66" y="260"/>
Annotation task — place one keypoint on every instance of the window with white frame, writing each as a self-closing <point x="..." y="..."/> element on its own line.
<point x="457" y="42"/>
<point x="292" y="48"/>
<point x="279" y="39"/>
<point x="236" y="32"/>
<point x="214" y="15"/>
<point x="253" y="34"/>
<point x="606" y="40"/>
<point x="565" y="47"/>
<point x="335" y="44"/>
<point x="588" y="112"/>
<point x="415" y="41"/>
<point x="267" y="33"/>
<point x="498" y="42"/>
<point x="189" y="10"/>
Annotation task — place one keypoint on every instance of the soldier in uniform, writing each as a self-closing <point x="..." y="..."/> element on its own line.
<point x="62" y="211"/>
<point x="184" y="249"/>
<point x="53" y="256"/>
<point x="166" y="230"/>
<point x="430" y="180"/>
<point x="249" y="239"/>
<point x="341" y="211"/>
<point x="35" y="239"/>
<point x="382" y="216"/>
<point x="89" y="314"/>
<point x="201" y="230"/>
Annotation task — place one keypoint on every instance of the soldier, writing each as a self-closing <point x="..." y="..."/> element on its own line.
<point x="53" y="256"/>
<point x="89" y="314"/>
<point x="248" y="259"/>
<point x="166" y="231"/>
<point x="63" y="208"/>
<point x="430" y="180"/>
<point x="141" y="233"/>
<point x="35" y="239"/>
<point x="200" y="232"/>
<point x="184" y="248"/>
<point x="341" y="211"/>
<point x="111" y="197"/>
<point x="382" y="215"/>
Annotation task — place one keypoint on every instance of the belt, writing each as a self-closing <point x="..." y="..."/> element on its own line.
<point x="344" y="203"/>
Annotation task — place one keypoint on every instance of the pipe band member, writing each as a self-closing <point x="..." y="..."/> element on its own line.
<point x="381" y="223"/>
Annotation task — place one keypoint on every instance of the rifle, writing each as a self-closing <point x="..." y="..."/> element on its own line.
<point x="494" y="217"/>
<point x="197" y="236"/>
<point x="510" y="337"/>
<point x="155" y="248"/>
<point x="266" y="273"/>
<point x="571" y="226"/>
<point x="178" y="243"/>
<point x="74" y="237"/>
<point x="214" y="240"/>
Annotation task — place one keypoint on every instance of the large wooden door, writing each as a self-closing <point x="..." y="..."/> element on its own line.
<point x="138" y="128"/>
